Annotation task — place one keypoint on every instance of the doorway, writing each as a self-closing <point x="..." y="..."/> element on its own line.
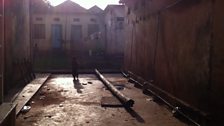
<point x="59" y="58"/>
<point x="56" y="34"/>
<point x="76" y="38"/>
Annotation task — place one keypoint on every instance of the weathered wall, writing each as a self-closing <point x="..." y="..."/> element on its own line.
<point x="17" y="39"/>
<point x="172" y="44"/>
<point x="217" y="58"/>
<point x="1" y="49"/>
<point x="114" y="33"/>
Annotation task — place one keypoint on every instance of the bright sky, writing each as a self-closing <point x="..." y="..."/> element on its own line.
<point x="87" y="3"/>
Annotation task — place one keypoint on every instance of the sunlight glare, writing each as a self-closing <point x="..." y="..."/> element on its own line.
<point x="87" y="3"/>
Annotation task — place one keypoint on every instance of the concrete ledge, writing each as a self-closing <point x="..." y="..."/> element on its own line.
<point x="29" y="91"/>
<point x="7" y="114"/>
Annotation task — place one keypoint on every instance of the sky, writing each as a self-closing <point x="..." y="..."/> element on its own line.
<point x="87" y="3"/>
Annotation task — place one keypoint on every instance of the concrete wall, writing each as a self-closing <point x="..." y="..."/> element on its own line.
<point x="17" y="39"/>
<point x="178" y="47"/>
<point x="1" y="49"/>
<point x="114" y="35"/>
<point x="217" y="58"/>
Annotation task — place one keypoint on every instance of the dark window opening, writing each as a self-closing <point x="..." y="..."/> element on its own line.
<point x="120" y="18"/>
<point x="76" y="33"/>
<point x="39" y="31"/>
<point x="39" y="19"/>
<point x="120" y="25"/>
<point x="56" y="19"/>
<point x="76" y="20"/>
<point x="93" y="28"/>
<point x="93" y="20"/>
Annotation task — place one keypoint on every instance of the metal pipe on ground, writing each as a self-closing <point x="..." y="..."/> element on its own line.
<point x="124" y="74"/>
<point x="175" y="109"/>
<point x="127" y="102"/>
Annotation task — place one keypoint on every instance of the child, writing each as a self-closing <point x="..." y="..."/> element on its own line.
<point x="75" y="69"/>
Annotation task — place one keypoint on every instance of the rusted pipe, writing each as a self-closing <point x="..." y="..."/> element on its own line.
<point x="127" y="102"/>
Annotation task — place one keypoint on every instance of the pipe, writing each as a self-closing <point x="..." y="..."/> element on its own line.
<point x="124" y="74"/>
<point x="127" y="102"/>
<point x="175" y="109"/>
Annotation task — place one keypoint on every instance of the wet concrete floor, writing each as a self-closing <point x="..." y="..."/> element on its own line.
<point x="61" y="102"/>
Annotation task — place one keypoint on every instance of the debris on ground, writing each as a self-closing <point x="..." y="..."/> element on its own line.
<point x="119" y="87"/>
<point x="84" y="83"/>
<point x="25" y="109"/>
<point x="42" y="97"/>
<point x="149" y="99"/>
<point x="90" y="82"/>
<point x="26" y="117"/>
<point x="63" y="105"/>
<point x="48" y="116"/>
<point x="175" y="111"/>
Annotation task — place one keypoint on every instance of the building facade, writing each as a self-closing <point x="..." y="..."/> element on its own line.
<point x="67" y="30"/>
<point x="65" y="27"/>
<point x="114" y="29"/>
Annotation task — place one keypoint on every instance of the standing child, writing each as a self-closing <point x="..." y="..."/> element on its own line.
<point x="75" y="69"/>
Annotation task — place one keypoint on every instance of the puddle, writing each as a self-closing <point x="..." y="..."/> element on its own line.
<point x="119" y="87"/>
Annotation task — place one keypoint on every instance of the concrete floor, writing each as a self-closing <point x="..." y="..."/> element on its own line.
<point x="60" y="102"/>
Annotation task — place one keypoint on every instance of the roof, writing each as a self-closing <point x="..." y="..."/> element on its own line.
<point x="39" y="6"/>
<point x="69" y="7"/>
<point x="66" y="7"/>
<point x="95" y="9"/>
<point x="119" y="10"/>
<point x="114" y="6"/>
<point x="123" y="1"/>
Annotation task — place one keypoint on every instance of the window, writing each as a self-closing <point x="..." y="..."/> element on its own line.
<point x="39" y="31"/>
<point x="93" y="28"/>
<point x="56" y="19"/>
<point x="39" y="19"/>
<point x="76" y="33"/>
<point x="93" y="20"/>
<point x="76" y="20"/>
<point x="120" y="25"/>
<point x="120" y="18"/>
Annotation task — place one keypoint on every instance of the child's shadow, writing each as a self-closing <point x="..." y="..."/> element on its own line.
<point x="78" y="86"/>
